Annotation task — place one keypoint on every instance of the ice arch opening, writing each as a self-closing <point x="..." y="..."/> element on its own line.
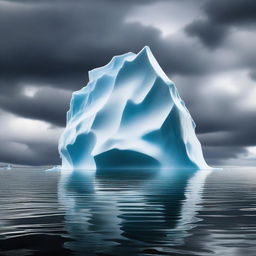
<point x="125" y="159"/>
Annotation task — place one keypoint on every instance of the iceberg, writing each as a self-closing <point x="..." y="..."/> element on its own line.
<point x="129" y="115"/>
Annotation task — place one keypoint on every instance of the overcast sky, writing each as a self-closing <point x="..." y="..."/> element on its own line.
<point x="208" y="48"/>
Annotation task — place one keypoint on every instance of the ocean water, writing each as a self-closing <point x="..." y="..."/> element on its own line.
<point x="128" y="212"/>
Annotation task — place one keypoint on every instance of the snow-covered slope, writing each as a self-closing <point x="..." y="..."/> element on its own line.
<point x="129" y="115"/>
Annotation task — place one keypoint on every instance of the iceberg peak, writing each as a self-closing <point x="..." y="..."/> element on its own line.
<point x="146" y="51"/>
<point x="129" y="115"/>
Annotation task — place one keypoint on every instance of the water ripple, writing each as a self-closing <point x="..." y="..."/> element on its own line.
<point x="179" y="212"/>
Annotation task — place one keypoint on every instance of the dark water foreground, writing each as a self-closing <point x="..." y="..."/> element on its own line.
<point x="178" y="212"/>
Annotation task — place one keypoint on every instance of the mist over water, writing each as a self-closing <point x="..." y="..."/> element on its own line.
<point x="131" y="212"/>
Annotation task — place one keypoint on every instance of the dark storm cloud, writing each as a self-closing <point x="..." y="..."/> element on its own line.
<point x="51" y="41"/>
<point x="48" y="150"/>
<point x="231" y="11"/>
<point x="218" y="155"/>
<point x="43" y="42"/>
<point x="221" y="17"/>
<point x="47" y="105"/>
<point x="227" y="135"/>
<point x="253" y="74"/>
<point x="241" y="137"/>
<point x="210" y="34"/>
<point x="36" y="153"/>
<point x="224" y="117"/>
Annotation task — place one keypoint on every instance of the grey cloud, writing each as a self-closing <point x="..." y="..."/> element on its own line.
<point x="29" y="154"/>
<point x="221" y="17"/>
<point x="253" y="74"/>
<point x="231" y="11"/>
<point x="41" y="43"/>
<point x="210" y="34"/>
<point x="51" y="41"/>
<point x="49" y="151"/>
<point x="219" y="155"/>
<point x="47" y="104"/>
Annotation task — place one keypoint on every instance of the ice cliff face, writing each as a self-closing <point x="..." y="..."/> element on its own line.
<point x="129" y="115"/>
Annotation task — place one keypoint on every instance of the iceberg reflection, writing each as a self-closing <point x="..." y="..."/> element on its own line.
<point x="129" y="213"/>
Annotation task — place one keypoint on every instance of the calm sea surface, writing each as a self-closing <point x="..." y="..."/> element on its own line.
<point x="131" y="212"/>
